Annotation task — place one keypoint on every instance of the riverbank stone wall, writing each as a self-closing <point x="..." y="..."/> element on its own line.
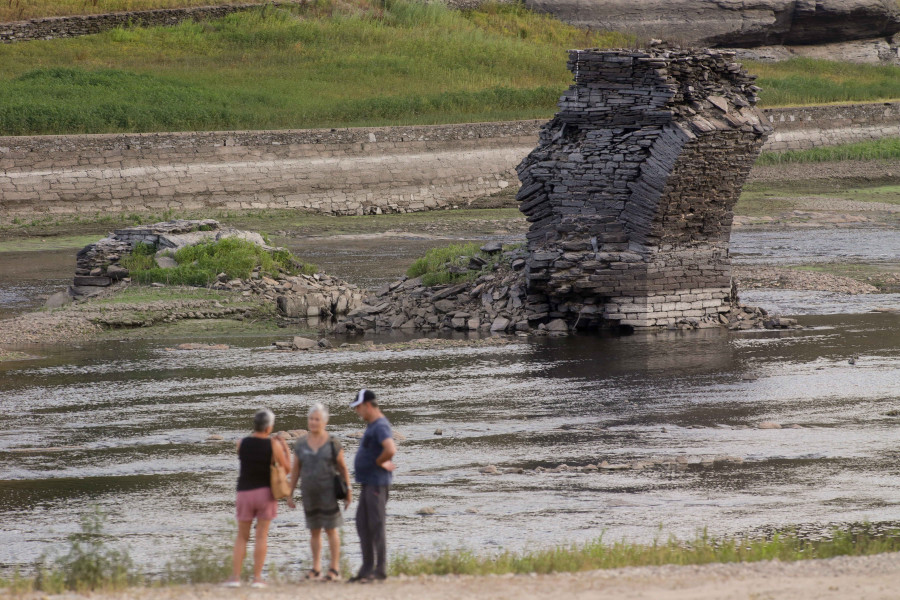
<point x="50" y="28"/>
<point x="331" y="171"/>
<point x="631" y="188"/>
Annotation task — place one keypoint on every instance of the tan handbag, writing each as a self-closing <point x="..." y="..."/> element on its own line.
<point x="278" y="477"/>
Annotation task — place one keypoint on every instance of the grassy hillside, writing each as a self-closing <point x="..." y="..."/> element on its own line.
<point x="810" y="81"/>
<point x="337" y="63"/>
<point x="325" y="64"/>
<point x="18" y="10"/>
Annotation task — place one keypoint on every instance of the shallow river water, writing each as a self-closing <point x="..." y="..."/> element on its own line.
<point x="122" y="425"/>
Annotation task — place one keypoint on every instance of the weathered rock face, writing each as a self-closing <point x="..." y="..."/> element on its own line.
<point x="631" y="188"/>
<point x="733" y="22"/>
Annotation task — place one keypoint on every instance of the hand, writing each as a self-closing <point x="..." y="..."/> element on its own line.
<point x="291" y="503"/>
<point x="348" y="500"/>
<point x="388" y="465"/>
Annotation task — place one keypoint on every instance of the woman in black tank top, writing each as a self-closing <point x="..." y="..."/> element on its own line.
<point x="254" y="494"/>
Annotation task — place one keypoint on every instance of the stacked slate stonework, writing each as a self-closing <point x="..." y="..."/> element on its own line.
<point x="631" y="188"/>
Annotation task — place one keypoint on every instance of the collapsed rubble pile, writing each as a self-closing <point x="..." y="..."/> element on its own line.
<point x="99" y="268"/>
<point x="497" y="301"/>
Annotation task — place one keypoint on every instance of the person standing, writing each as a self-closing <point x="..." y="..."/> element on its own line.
<point x="373" y="468"/>
<point x="319" y="457"/>
<point x="256" y="453"/>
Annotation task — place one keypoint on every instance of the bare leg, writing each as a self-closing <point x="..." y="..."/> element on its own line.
<point x="240" y="549"/>
<point x="315" y="543"/>
<point x="260" y="548"/>
<point x="334" y="544"/>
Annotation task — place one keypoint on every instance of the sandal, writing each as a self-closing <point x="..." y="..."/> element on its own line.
<point x="313" y="575"/>
<point x="333" y="575"/>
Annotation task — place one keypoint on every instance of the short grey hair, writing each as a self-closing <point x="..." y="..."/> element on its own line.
<point x="318" y="407"/>
<point x="263" y="419"/>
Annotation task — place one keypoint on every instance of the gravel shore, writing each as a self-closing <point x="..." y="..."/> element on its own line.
<point x="856" y="577"/>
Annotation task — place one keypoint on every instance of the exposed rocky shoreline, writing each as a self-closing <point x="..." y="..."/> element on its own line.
<point x="496" y="301"/>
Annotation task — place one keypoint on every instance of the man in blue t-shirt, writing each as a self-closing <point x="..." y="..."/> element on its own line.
<point x="372" y="468"/>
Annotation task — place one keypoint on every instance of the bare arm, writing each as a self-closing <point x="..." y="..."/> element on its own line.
<point x="295" y="475"/>
<point x="388" y="450"/>
<point x="281" y="452"/>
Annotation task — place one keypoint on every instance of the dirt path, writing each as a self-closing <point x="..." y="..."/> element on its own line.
<point x="857" y="578"/>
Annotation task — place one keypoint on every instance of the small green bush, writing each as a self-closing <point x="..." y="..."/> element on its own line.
<point x="201" y="264"/>
<point x="433" y="267"/>
<point x="89" y="563"/>
<point x="200" y="564"/>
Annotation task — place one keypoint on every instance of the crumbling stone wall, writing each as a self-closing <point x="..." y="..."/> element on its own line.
<point x="50" y="28"/>
<point x="631" y="188"/>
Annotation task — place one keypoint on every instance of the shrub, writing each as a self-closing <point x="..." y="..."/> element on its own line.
<point x="434" y="267"/>
<point x="89" y="564"/>
<point x="200" y="564"/>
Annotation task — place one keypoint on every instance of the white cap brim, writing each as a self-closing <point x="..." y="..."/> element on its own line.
<point x="360" y="398"/>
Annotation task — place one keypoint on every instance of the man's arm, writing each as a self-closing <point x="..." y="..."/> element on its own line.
<point x="388" y="450"/>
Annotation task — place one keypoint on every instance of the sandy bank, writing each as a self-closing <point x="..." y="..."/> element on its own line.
<point x="860" y="578"/>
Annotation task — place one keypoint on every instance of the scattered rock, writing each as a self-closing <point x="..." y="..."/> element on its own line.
<point x="166" y="262"/>
<point x="215" y="438"/>
<point x="425" y="510"/>
<point x="58" y="300"/>
<point x="197" y="346"/>
<point x="489" y="470"/>
<point x="302" y="343"/>
<point x="613" y="467"/>
<point x="768" y="425"/>
<point x="557" y="326"/>
<point x="438" y="432"/>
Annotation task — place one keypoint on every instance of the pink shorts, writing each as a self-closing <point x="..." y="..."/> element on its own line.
<point x="258" y="503"/>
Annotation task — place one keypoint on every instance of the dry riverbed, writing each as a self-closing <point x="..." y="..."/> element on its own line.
<point x="825" y="195"/>
<point x="860" y="578"/>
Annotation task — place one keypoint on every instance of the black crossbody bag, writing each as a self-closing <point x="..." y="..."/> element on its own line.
<point x="340" y="484"/>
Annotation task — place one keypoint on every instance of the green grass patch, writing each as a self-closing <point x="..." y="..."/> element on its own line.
<point x="322" y="64"/>
<point x="37" y="244"/>
<point x="142" y="294"/>
<point x="436" y="267"/>
<point x="200" y="265"/>
<point x="762" y="203"/>
<point x="337" y="64"/>
<point x="803" y="81"/>
<point x="703" y="549"/>
<point x="883" y="149"/>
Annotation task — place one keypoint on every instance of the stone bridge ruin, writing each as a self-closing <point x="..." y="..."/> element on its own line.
<point x="631" y="189"/>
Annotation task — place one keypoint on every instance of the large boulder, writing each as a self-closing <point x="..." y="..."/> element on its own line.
<point x="733" y="23"/>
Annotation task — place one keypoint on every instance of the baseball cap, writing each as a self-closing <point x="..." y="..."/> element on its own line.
<point x="362" y="396"/>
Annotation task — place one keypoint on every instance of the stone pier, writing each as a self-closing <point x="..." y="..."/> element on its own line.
<point x="631" y="188"/>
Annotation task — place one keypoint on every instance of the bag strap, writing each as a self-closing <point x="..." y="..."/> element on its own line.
<point x="335" y="448"/>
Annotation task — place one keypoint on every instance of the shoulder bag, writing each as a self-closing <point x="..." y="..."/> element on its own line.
<point x="340" y="484"/>
<point x="278" y="477"/>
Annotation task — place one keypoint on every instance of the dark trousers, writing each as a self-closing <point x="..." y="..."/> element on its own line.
<point x="370" y="517"/>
